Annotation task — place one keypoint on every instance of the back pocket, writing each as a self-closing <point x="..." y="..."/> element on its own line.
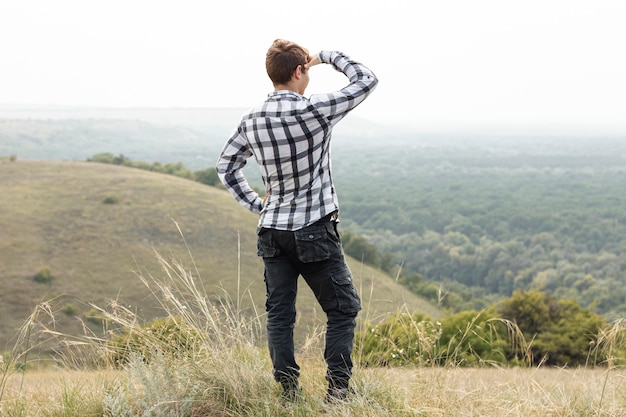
<point x="312" y="244"/>
<point x="265" y="244"/>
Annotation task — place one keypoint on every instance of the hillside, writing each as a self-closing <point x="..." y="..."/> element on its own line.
<point x="54" y="215"/>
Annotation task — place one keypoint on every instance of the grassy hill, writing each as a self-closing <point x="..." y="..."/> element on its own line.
<point x="95" y="226"/>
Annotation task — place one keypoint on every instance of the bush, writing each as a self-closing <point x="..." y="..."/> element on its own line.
<point x="103" y="158"/>
<point x="111" y="199"/>
<point x="469" y="338"/>
<point x="359" y="248"/>
<point x="472" y="338"/>
<point x="168" y="335"/>
<point x="530" y="328"/>
<point x="96" y="317"/>
<point x="70" y="309"/>
<point x="207" y="176"/>
<point x="43" y="276"/>
<point x="562" y="331"/>
<point x="400" y="340"/>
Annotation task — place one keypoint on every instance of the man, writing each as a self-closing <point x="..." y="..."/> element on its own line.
<point x="289" y="137"/>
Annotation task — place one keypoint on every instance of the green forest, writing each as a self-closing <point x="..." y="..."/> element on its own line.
<point x="470" y="224"/>
<point x="466" y="223"/>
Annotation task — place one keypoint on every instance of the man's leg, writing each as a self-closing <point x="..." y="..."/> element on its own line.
<point x="281" y="283"/>
<point x="338" y="351"/>
<point x="331" y="281"/>
<point x="341" y="307"/>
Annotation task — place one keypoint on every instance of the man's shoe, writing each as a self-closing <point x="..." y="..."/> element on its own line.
<point x="292" y="392"/>
<point x="339" y="395"/>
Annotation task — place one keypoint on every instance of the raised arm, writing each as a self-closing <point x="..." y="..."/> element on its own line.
<point x="337" y="104"/>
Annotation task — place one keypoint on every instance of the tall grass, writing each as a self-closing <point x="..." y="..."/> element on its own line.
<point x="207" y="357"/>
<point x="26" y="341"/>
<point x="215" y="361"/>
<point x="611" y="342"/>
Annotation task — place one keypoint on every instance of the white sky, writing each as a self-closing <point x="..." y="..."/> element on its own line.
<point x="446" y="62"/>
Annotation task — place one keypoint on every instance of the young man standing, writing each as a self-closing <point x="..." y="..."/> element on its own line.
<point x="289" y="137"/>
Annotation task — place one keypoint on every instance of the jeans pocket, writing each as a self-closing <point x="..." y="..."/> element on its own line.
<point x="347" y="297"/>
<point x="265" y="244"/>
<point x="312" y="244"/>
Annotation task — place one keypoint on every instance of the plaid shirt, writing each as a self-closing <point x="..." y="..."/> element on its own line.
<point x="289" y="137"/>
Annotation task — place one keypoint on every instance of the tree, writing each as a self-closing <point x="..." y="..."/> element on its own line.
<point x="561" y="331"/>
<point x="207" y="176"/>
<point x="359" y="248"/>
<point x="530" y="328"/>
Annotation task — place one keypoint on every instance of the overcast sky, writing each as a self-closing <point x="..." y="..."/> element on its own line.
<point x="441" y="63"/>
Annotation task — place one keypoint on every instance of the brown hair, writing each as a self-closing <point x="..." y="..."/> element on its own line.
<point x="282" y="58"/>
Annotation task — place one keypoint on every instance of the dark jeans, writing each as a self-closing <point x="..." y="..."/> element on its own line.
<point x="315" y="252"/>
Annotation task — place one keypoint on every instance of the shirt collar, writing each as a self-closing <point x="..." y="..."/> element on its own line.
<point x="283" y="93"/>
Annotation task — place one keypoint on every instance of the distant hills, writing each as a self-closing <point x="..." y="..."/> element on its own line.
<point x="191" y="136"/>
<point x="95" y="226"/>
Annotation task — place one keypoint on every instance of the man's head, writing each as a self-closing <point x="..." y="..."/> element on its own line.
<point x="285" y="60"/>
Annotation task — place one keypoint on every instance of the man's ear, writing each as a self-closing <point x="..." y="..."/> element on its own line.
<point x="297" y="73"/>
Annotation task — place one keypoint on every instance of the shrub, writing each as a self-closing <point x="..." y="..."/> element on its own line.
<point x="43" y="276"/>
<point x="70" y="309"/>
<point x="96" y="317"/>
<point x="103" y="158"/>
<point x="469" y="338"/>
<point x="207" y="176"/>
<point x="359" y="248"/>
<point x="402" y="339"/>
<point x="171" y="336"/>
<point x="530" y="328"/>
<point x="111" y="199"/>
<point x="562" y="331"/>
<point x="472" y="338"/>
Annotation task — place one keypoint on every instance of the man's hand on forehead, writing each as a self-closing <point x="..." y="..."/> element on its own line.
<point x="313" y="60"/>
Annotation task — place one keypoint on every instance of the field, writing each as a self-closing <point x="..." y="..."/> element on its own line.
<point x="214" y="363"/>
<point x="384" y="392"/>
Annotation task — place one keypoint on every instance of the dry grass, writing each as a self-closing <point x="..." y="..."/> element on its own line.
<point x="513" y="392"/>
<point x="57" y="392"/>
<point x="228" y="374"/>
<point x="386" y="392"/>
